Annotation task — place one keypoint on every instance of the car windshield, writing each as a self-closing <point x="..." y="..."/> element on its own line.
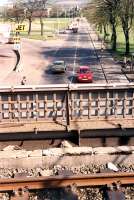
<point x="59" y="63"/>
<point x="84" y="71"/>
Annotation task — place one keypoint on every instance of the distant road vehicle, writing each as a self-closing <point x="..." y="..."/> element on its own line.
<point x="65" y="31"/>
<point x="62" y="31"/>
<point x="74" y="26"/>
<point x="84" y="75"/>
<point x="5" y="31"/>
<point x="58" y="66"/>
<point x="10" y="40"/>
<point x="75" y="30"/>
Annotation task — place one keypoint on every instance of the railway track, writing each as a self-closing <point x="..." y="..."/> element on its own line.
<point x="63" y="181"/>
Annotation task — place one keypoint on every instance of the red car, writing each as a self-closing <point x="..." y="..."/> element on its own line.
<point x="84" y="75"/>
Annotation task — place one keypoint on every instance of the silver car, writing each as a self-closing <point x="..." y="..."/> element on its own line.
<point x="59" y="66"/>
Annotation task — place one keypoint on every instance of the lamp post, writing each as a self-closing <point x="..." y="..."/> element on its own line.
<point x="57" y="21"/>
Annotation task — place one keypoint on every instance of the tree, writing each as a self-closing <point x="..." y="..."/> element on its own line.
<point x="106" y="12"/>
<point x="126" y="15"/>
<point x="109" y="9"/>
<point x="102" y="20"/>
<point x="41" y="4"/>
<point x="30" y="6"/>
<point x="17" y="13"/>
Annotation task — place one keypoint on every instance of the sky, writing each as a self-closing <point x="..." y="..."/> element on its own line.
<point x="71" y="2"/>
<point x="68" y="2"/>
<point x="3" y="2"/>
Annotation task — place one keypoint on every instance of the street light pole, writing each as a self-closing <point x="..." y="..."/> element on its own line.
<point x="57" y="21"/>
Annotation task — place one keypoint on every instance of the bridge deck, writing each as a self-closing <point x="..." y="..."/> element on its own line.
<point x="61" y="126"/>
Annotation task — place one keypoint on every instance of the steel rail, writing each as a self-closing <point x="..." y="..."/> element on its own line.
<point x="63" y="181"/>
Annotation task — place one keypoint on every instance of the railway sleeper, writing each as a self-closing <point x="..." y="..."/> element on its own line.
<point x="70" y="192"/>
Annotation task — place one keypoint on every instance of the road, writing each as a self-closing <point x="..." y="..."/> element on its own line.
<point x="78" y="49"/>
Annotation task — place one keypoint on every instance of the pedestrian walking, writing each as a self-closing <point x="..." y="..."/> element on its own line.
<point x="23" y="82"/>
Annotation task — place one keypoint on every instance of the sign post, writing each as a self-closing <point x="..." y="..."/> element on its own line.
<point x="17" y="45"/>
<point x="20" y="28"/>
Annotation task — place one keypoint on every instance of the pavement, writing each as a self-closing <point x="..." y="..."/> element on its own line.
<point x="111" y="69"/>
<point x="7" y="61"/>
<point x="83" y="48"/>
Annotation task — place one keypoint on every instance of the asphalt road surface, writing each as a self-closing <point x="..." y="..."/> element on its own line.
<point x="82" y="48"/>
<point x="77" y="50"/>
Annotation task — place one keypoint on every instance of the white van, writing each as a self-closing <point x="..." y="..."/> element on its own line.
<point x="5" y="31"/>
